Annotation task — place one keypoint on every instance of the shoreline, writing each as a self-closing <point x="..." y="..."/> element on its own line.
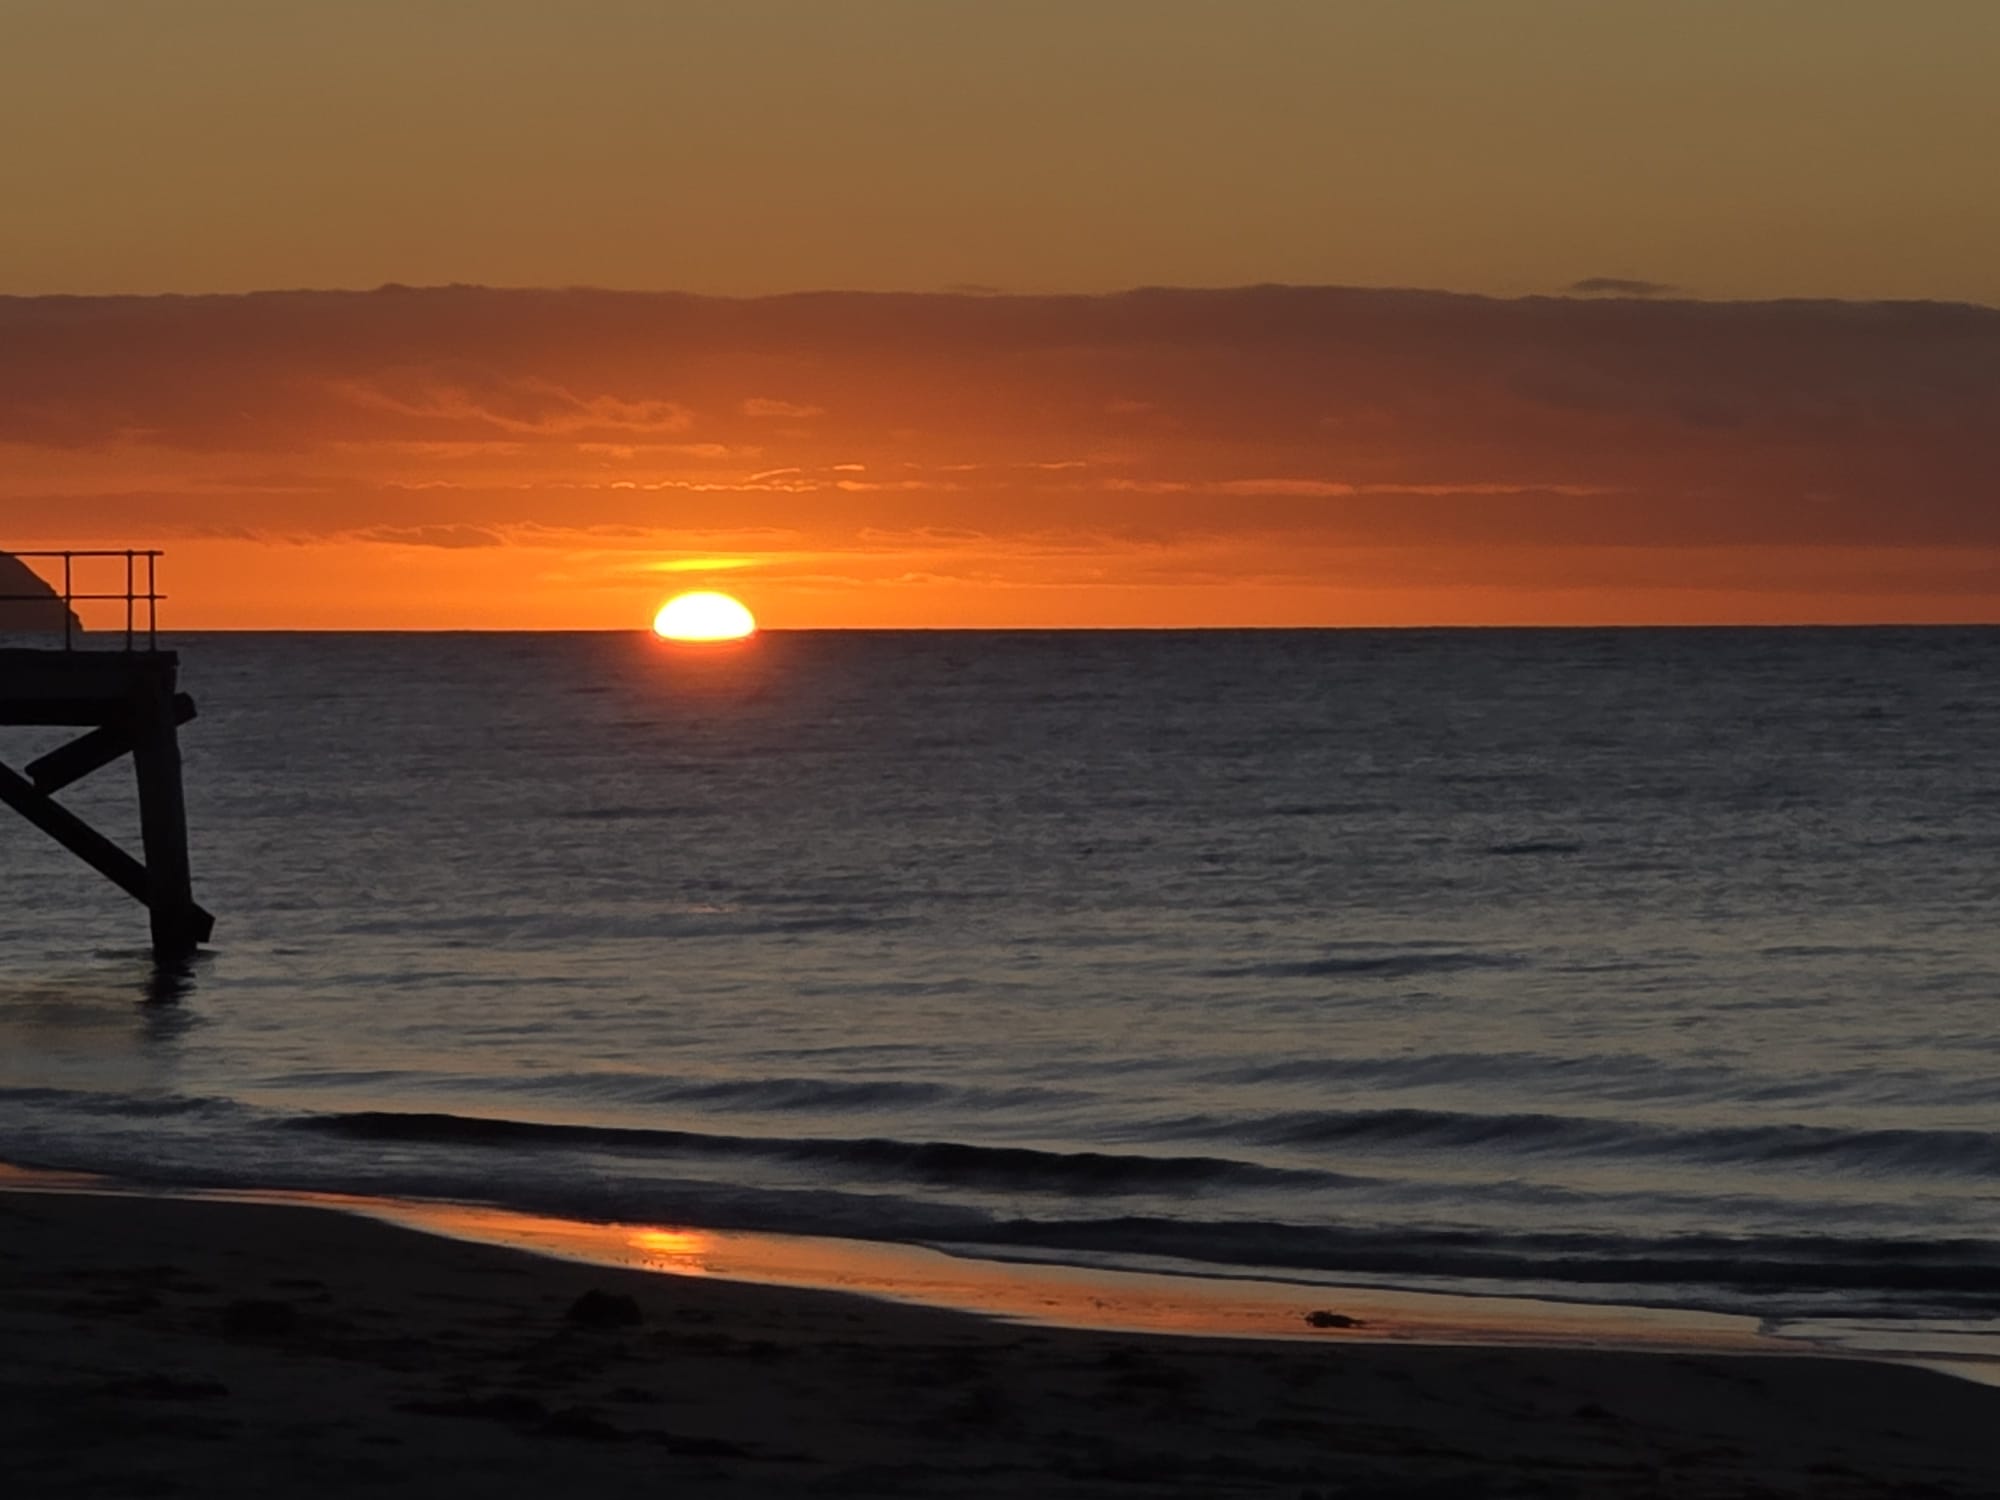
<point x="1048" y="1294"/>
<point x="229" y="1347"/>
<point x="1065" y="1295"/>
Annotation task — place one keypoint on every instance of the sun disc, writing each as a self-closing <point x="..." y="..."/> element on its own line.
<point x="703" y="616"/>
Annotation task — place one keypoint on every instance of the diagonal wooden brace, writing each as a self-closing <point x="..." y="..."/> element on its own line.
<point x="191" y="923"/>
<point x="68" y="764"/>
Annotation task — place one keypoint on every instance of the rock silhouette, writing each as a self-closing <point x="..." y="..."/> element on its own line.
<point x="28" y="603"/>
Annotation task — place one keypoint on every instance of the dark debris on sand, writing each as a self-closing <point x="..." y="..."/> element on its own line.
<point x="601" y="1309"/>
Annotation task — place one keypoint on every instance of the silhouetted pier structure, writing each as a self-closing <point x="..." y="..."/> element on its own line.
<point x="126" y="701"/>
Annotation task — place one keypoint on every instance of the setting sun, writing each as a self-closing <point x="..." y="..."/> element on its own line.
<point x="703" y="616"/>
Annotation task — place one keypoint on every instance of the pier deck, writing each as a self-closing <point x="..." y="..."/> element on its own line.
<point x="128" y="703"/>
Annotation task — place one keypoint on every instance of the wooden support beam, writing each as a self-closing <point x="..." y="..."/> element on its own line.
<point x="15" y="709"/>
<point x="94" y="751"/>
<point x="179" y="926"/>
<point x="193" y="925"/>
<point x="128" y="702"/>
<point x="75" y="835"/>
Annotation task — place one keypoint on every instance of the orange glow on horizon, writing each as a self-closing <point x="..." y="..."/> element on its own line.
<point x="242" y="584"/>
<point x="1145" y="461"/>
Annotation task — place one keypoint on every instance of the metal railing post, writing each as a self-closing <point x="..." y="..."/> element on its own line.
<point x="70" y="594"/>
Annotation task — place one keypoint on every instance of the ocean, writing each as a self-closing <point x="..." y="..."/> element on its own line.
<point x="1653" y="967"/>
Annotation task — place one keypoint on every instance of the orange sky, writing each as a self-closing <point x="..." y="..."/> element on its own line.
<point x="1003" y="436"/>
<point x="1269" y="456"/>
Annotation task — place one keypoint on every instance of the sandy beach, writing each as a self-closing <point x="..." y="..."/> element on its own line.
<point x="165" y="1347"/>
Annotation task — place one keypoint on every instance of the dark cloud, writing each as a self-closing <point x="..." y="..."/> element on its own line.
<point x="1352" y="415"/>
<point x="1619" y="286"/>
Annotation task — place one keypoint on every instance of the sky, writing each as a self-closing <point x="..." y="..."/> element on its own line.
<point x="1663" y="310"/>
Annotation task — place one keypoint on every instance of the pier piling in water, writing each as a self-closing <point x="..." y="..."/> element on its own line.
<point x="126" y="700"/>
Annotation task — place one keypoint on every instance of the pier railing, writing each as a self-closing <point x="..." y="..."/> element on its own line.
<point x="142" y="604"/>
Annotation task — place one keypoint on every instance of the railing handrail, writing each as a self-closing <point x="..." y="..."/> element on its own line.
<point x="133" y="595"/>
<point x="90" y="552"/>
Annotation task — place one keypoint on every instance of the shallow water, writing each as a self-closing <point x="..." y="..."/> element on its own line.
<point x="1645" y="966"/>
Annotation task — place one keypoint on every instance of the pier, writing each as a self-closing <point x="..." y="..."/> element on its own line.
<point x="125" y="698"/>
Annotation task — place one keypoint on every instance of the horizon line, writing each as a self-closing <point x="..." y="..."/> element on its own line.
<point x="1665" y="296"/>
<point x="763" y="630"/>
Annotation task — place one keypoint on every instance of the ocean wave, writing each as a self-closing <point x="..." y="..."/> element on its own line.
<point x="1909" y="1151"/>
<point x="1390" y="965"/>
<point x="1324" y="809"/>
<point x="572" y="926"/>
<point x="888" y="1190"/>
<point x="1960" y="1271"/>
<point x="629" y="813"/>
<point x="120" y="1106"/>
<point x="784" y="1093"/>
<point x="936" y="1163"/>
<point x="1619" y="1074"/>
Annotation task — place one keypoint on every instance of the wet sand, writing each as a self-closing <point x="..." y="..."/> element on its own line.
<point x="173" y="1347"/>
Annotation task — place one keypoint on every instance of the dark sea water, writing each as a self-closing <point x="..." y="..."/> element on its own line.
<point x="1648" y="966"/>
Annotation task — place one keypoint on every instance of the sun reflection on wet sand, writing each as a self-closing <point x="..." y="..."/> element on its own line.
<point x="681" y="1251"/>
<point x="1027" y="1291"/>
<point x="1080" y="1297"/>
